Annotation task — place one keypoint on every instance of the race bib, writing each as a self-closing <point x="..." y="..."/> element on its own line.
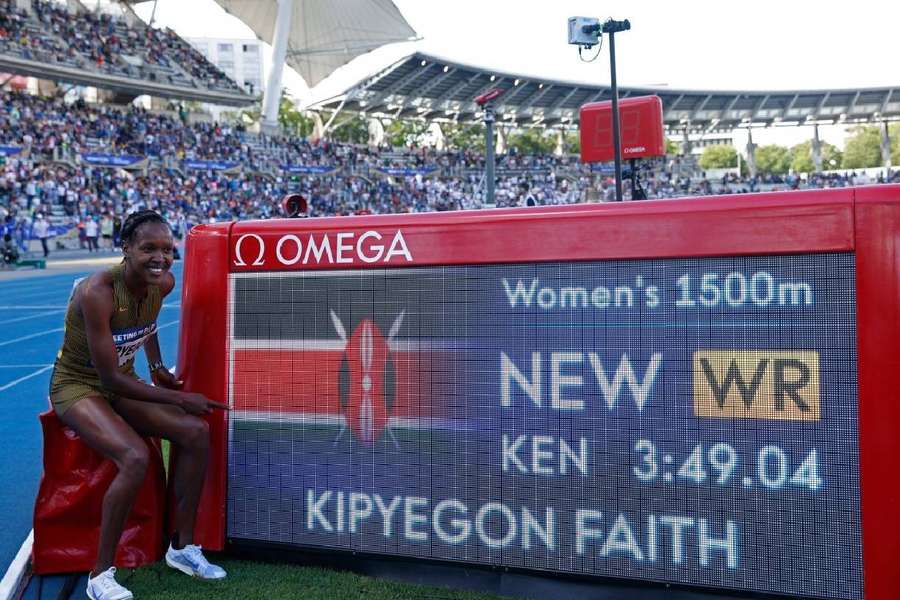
<point x="129" y="341"/>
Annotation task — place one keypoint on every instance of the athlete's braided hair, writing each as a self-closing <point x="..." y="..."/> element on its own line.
<point x="137" y="219"/>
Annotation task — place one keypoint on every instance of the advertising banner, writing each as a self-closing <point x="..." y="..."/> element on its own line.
<point x="309" y="169"/>
<point x="212" y="165"/>
<point x="11" y="150"/>
<point x="119" y="161"/>
<point x="406" y="171"/>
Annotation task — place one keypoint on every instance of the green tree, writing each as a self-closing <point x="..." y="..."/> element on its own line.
<point x="863" y="148"/>
<point x="802" y="161"/>
<point x="672" y="148"/>
<point x="292" y="121"/>
<point x="405" y="133"/>
<point x="718" y="156"/>
<point x="532" y="141"/>
<point x="571" y="142"/>
<point x="246" y="116"/>
<point x="354" y="129"/>
<point x="464" y="136"/>
<point x="773" y="160"/>
<point x="894" y="132"/>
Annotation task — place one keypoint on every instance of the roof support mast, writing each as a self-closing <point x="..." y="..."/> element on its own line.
<point x="272" y="96"/>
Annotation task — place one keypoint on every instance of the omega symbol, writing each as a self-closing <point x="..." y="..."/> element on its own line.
<point x="238" y="255"/>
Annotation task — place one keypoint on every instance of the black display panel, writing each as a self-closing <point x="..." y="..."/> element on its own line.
<point x="689" y="421"/>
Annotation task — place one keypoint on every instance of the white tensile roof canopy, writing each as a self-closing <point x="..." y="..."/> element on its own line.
<point x="325" y="34"/>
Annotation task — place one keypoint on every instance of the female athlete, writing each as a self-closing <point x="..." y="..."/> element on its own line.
<point x="95" y="392"/>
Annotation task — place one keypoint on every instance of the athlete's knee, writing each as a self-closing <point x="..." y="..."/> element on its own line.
<point x="133" y="462"/>
<point x="195" y="433"/>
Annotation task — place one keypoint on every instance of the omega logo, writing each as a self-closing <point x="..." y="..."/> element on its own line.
<point x="340" y="248"/>
<point x="239" y="257"/>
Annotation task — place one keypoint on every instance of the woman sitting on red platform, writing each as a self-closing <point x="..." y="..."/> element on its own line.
<point x="95" y="392"/>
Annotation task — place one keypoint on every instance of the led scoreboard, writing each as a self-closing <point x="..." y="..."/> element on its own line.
<point x="688" y="391"/>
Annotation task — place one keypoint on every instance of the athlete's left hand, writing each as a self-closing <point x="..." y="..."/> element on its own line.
<point x="164" y="378"/>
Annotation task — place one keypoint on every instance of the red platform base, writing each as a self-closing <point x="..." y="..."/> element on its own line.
<point x="69" y="502"/>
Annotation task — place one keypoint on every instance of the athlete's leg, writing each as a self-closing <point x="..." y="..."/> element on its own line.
<point x="94" y="420"/>
<point x="191" y="435"/>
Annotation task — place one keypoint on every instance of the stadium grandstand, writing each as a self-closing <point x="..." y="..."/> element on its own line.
<point x="202" y="172"/>
<point x="79" y="161"/>
<point x="71" y="44"/>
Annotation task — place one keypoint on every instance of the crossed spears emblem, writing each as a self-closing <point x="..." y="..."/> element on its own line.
<point x="366" y="353"/>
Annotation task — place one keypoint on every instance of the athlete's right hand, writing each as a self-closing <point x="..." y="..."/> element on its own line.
<point x="198" y="404"/>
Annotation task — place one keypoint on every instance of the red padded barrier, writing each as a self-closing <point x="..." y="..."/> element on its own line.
<point x="202" y="361"/>
<point x="878" y="331"/>
<point x="69" y="503"/>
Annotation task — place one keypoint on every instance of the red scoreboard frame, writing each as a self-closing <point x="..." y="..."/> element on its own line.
<point x="865" y="221"/>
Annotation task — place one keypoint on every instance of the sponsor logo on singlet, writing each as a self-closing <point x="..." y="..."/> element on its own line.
<point x="129" y="341"/>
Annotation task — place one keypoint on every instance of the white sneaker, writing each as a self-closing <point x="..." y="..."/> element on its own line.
<point x="105" y="587"/>
<point x="190" y="560"/>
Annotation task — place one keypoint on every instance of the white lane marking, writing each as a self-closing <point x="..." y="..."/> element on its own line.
<point x="39" y="295"/>
<point x="10" y="582"/>
<point x="35" y="296"/>
<point x="49" y="331"/>
<point x="33" y="335"/>
<point x="21" y="379"/>
<point x="44" y="286"/>
<point x="39" y="291"/>
<point x="37" y="316"/>
<point x="32" y="306"/>
<point x="26" y="366"/>
<point x="39" y="283"/>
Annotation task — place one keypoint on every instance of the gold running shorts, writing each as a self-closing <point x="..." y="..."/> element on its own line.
<point x="68" y="388"/>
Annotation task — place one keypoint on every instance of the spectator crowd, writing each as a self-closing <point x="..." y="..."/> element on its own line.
<point x="41" y="174"/>
<point x="51" y="33"/>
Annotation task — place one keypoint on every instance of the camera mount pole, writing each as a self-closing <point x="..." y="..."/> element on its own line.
<point x="611" y="27"/>
<point x="489" y="151"/>
<point x="617" y="138"/>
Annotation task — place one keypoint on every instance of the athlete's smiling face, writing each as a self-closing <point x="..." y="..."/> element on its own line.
<point x="150" y="252"/>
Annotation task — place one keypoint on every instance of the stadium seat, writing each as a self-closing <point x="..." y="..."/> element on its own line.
<point x="68" y="506"/>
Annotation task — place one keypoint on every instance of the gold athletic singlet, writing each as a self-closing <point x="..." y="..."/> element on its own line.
<point x="132" y="323"/>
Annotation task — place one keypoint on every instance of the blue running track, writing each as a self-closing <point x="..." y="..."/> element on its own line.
<point x="31" y="322"/>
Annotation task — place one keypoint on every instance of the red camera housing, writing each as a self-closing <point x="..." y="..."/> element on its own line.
<point x="640" y="127"/>
<point x="489" y="96"/>
<point x="294" y="205"/>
